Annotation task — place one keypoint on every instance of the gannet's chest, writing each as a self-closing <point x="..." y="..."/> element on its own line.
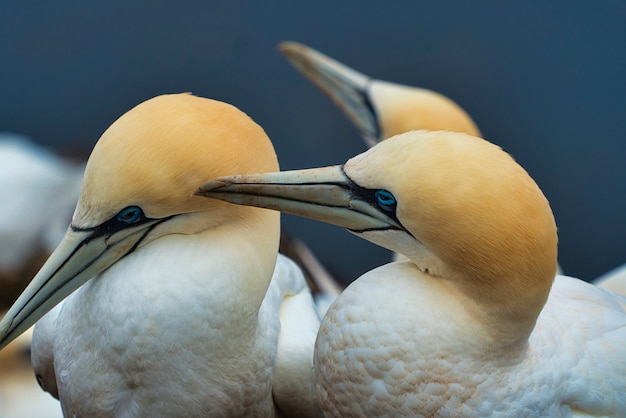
<point x="152" y="334"/>
<point x="371" y="346"/>
<point x="403" y="352"/>
<point x="407" y="351"/>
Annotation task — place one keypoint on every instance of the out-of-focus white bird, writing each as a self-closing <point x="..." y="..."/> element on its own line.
<point x="614" y="280"/>
<point x="184" y="309"/>
<point x="38" y="190"/>
<point x="475" y="324"/>
<point x="324" y="287"/>
<point x="20" y="397"/>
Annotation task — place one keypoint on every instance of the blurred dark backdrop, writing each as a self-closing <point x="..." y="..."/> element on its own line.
<point x="545" y="80"/>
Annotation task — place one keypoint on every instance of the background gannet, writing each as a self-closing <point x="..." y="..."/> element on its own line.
<point x="379" y="109"/>
<point x="38" y="191"/>
<point x="19" y="397"/>
<point x="614" y="280"/>
<point x="324" y="287"/>
<point x="475" y="323"/>
<point x="181" y="317"/>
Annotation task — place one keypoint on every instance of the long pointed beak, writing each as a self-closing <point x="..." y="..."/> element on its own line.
<point x="347" y="88"/>
<point x="81" y="255"/>
<point x="325" y="194"/>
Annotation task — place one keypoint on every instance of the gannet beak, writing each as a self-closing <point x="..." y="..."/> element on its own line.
<point x="347" y="88"/>
<point x="80" y="256"/>
<point x="325" y="194"/>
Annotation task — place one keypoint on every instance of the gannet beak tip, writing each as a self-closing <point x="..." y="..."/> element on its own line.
<point x="287" y="48"/>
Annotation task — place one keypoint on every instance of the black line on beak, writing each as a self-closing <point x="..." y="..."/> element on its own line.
<point x="97" y="231"/>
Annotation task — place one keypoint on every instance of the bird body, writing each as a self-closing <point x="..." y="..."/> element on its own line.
<point x="293" y="386"/>
<point x="409" y="364"/>
<point x="181" y="306"/>
<point x="475" y="323"/>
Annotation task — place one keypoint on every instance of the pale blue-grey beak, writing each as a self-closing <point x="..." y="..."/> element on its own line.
<point x="325" y="194"/>
<point x="347" y="88"/>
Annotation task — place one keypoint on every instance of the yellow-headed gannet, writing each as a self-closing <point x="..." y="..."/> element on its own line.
<point x="188" y="312"/>
<point x="475" y="324"/>
<point x="379" y="109"/>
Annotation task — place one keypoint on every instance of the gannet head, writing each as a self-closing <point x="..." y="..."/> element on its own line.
<point x="458" y="206"/>
<point x="155" y="155"/>
<point x="139" y="185"/>
<point x="379" y="109"/>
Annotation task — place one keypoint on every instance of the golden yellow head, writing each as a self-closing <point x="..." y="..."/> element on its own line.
<point x="157" y="154"/>
<point x="471" y="205"/>
<point x="403" y="108"/>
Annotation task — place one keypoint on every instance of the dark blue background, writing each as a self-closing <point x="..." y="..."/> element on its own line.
<point x="545" y="80"/>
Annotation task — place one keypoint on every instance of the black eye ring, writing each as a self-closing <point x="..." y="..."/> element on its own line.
<point x="129" y="215"/>
<point x="385" y="199"/>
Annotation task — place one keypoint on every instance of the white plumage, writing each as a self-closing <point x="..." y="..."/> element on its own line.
<point x="409" y="354"/>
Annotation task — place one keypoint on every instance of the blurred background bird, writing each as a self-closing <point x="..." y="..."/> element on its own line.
<point x="38" y="190"/>
<point x="378" y="109"/>
<point x="543" y="81"/>
<point x="20" y="396"/>
<point x="614" y="280"/>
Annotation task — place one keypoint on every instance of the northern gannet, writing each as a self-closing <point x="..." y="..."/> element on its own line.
<point x="188" y="311"/>
<point x="475" y="324"/>
<point x="379" y="109"/>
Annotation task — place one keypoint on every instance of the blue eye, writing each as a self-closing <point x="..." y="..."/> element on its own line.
<point x="129" y="215"/>
<point x="385" y="199"/>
